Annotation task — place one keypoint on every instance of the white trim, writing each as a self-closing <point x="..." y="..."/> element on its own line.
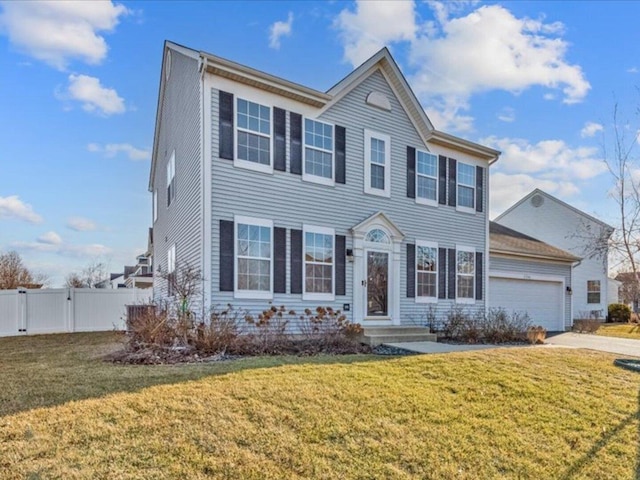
<point x="251" y="294"/>
<point x="171" y="174"/>
<point x="418" y="299"/>
<point x="368" y="135"/>
<point x="428" y="201"/>
<point x="246" y="164"/>
<point x="171" y="259"/>
<point x="155" y="206"/>
<point x="207" y="167"/>
<point x="309" y="177"/>
<point x="467" y="300"/>
<point x="323" y="231"/>
<point x="459" y="207"/>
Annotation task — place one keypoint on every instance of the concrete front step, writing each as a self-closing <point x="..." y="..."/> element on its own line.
<point x="378" y="335"/>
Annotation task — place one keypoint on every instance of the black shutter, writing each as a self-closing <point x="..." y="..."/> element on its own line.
<point x="341" y="272"/>
<point x="341" y="143"/>
<point x="226" y="125"/>
<point x="442" y="273"/>
<point x="479" y="188"/>
<point x="411" y="270"/>
<point x="411" y="172"/>
<point x="279" y="134"/>
<point x="442" y="180"/>
<point x="453" y="193"/>
<point x="479" y="275"/>
<point x="296" y="261"/>
<point x="451" y="271"/>
<point x="226" y="256"/>
<point x="295" y="143"/>
<point x="279" y="260"/>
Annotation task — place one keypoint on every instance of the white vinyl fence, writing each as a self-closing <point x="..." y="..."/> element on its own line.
<point x="60" y="310"/>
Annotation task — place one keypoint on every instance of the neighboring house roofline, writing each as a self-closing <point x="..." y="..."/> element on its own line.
<point x="557" y="200"/>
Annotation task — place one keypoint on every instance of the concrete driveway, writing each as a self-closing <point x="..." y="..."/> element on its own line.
<point x="621" y="346"/>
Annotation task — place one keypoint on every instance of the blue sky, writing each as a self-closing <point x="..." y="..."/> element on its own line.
<point x="79" y="82"/>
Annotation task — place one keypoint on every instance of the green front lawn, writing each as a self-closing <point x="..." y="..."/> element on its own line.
<point x="620" y="330"/>
<point x="509" y="413"/>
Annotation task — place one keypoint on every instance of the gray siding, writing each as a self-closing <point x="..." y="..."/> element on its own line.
<point x="534" y="267"/>
<point x="179" y="130"/>
<point x="289" y="201"/>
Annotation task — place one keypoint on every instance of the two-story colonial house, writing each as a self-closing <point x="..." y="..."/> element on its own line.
<point x="348" y="198"/>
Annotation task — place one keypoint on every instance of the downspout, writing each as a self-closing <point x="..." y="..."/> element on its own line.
<point x="203" y="69"/>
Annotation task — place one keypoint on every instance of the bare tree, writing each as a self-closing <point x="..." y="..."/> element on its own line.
<point x="89" y="277"/>
<point x="184" y="284"/>
<point x="14" y="274"/>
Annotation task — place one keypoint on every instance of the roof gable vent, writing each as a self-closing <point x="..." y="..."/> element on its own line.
<point x="379" y="100"/>
<point x="537" y="200"/>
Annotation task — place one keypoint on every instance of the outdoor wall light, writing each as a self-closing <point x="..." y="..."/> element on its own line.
<point x="569" y="291"/>
<point x="349" y="255"/>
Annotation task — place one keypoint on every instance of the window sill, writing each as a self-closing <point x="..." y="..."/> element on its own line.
<point x="256" y="167"/>
<point x="426" y="201"/>
<point x="329" y="182"/>
<point x="468" y="301"/>
<point x="426" y="300"/>
<point x="466" y="210"/>
<point x="377" y="192"/>
<point x="253" y="294"/>
<point x="323" y="297"/>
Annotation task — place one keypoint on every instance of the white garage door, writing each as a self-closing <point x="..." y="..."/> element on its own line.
<point x="542" y="300"/>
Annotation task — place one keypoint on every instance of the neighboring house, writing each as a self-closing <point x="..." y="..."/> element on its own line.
<point x="613" y="295"/>
<point x="283" y="194"/>
<point x="528" y="275"/>
<point x="629" y="290"/>
<point x="135" y="276"/>
<point x="557" y="223"/>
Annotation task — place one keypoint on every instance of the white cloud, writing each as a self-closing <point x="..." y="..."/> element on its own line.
<point x="590" y="129"/>
<point x="508" y="189"/>
<point x="50" y="238"/>
<point x="278" y="30"/>
<point x="80" y="224"/>
<point x="456" y="56"/>
<point x="13" y="208"/>
<point x="374" y="25"/>
<point x="632" y="70"/>
<point x="94" y="97"/>
<point x="69" y="250"/>
<point x="57" y="32"/>
<point x="507" y="114"/>
<point x="110" y="150"/>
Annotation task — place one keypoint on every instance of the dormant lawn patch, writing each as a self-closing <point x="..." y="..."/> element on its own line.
<point x="511" y="413"/>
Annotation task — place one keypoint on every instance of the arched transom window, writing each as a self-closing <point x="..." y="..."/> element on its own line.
<point x="377" y="236"/>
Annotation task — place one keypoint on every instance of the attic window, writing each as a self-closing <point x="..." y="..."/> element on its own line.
<point x="379" y="100"/>
<point x="537" y="201"/>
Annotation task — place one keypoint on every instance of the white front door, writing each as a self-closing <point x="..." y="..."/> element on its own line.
<point x="376" y="284"/>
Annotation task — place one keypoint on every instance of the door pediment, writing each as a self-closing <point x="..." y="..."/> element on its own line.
<point x="378" y="220"/>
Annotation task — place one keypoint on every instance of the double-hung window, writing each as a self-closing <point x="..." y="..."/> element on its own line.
<point x="253" y="135"/>
<point x="318" y="152"/>
<point x="465" y="274"/>
<point x="426" y="272"/>
<point x="171" y="178"/>
<point x="377" y="153"/>
<point x="254" y="258"/>
<point x="593" y="291"/>
<point x="319" y="263"/>
<point x="171" y="270"/>
<point x="426" y="178"/>
<point x="466" y="187"/>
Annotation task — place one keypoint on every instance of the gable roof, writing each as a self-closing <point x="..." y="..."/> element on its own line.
<point x="508" y="241"/>
<point x="537" y="191"/>
<point x="382" y="60"/>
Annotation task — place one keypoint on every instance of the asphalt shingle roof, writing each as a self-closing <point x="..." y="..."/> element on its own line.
<point x="506" y="240"/>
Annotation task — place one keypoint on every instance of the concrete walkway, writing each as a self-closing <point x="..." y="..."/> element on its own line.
<point x="621" y="346"/>
<point x="435" y="347"/>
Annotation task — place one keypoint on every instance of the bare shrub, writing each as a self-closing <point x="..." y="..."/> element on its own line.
<point x="501" y="327"/>
<point x="588" y="325"/>
<point x="455" y="323"/>
<point x="328" y="330"/>
<point x="221" y="334"/>
<point x="151" y="326"/>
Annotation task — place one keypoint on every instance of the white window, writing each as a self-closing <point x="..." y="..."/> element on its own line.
<point x="253" y="136"/>
<point x="171" y="268"/>
<point x="377" y="154"/>
<point x="426" y="178"/>
<point x="155" y="206"/>
<point x="318" y="248"/>
<point x="318" y="152"/>
<point x="466" y="187"/>
<point x="465" y="274"/>
<point x="426" y="272"/>
<point x="254" y="258"/>
<point x="171" y="177"/>
<point x="593" y="291"/>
